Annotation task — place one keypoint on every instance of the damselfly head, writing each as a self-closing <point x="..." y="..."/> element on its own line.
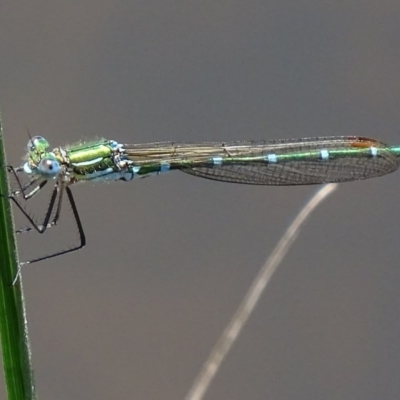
<point x="48" y="166"/>
<point x="39" y="160"/>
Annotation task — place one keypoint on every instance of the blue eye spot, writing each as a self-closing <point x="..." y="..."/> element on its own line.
<point x="49" y="168"/>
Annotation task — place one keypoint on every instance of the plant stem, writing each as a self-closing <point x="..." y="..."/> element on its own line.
<point x="13" y="327"/>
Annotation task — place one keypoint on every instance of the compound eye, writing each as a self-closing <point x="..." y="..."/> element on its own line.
<point x="49" y="168"/>
<point x="37" y="143"/>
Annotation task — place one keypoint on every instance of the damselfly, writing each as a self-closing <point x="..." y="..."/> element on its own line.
<point x="304" y="161"/>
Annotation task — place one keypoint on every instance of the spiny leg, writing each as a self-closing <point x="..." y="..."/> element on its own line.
<point x="82" y="238"/>
<point x="26" y="196"/>
<point x="39" y="228"/>
<point x="23" y="188"/>
<point x="55" y="218"/>
<point x="78" y="222"/>
<point x="58" y="189"/>
<point x="58" y="209"/>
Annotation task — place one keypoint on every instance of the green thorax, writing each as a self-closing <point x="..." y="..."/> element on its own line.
<point x="88" y="159"/>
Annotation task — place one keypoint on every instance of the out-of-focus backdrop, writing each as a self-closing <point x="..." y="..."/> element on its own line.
<point x="134" y="314"/>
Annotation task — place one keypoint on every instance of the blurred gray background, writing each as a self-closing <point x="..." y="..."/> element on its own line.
<point x="134" y="314"/>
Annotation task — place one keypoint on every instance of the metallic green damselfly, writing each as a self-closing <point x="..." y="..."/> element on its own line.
<point x="304" y="161"/>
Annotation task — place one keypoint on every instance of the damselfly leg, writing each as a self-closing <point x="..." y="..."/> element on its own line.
<point x="26" y="192"/>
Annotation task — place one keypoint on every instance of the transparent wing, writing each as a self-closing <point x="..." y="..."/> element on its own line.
<point x="282" y="162"/>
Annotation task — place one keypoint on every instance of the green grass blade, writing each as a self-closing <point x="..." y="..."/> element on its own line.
<point x="13" y="329"/>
